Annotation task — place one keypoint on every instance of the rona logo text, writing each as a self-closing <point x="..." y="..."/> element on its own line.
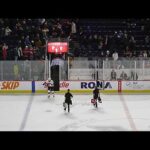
<point x="9" y="85"/>
<point x="91" y="85"/>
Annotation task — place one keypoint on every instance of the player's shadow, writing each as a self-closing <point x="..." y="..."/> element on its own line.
<point x="97" y="110"/>
<point x="45" y="100"/>
<point x="48" y="110"/>
<point x="68" y="115"/>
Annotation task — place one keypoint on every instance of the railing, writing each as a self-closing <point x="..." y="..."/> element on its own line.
<point x="100" y="69"/>
<point x="22" y="70"/>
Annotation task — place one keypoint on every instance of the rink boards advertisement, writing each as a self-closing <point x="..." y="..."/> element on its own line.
<point x="76" y="86"/>
<point x="81" y="86"/>
<point x="15" y="86"/>
<point x="139" y="86"/>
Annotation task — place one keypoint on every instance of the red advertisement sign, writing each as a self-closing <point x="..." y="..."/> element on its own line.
<point x="57" y="47"/>
<point x="7" y="85"/>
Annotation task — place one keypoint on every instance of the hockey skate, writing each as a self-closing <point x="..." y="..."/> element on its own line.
<point x="94" y="102"/>
<point x="99" y="100"/>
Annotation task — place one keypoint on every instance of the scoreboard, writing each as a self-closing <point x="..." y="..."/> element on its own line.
<point x="58" y="47"/>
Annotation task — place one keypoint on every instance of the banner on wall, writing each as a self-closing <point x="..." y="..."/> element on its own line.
<point x="136" y="85"/>
<point x="34" y="86"/>
<point x="82" y="85"/>
<point x="15" y="85"/>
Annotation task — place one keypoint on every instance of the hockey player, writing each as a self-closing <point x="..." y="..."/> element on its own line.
<point x="96" y="96"/>
<point x="50" y="85"/>
<point x="68" y="100"/>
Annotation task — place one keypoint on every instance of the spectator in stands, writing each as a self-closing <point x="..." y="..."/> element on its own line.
<point x="113" y="75"/>
<point x="145" y="54"/>
<point x="7" y="31"/>
<point x="115" y="56"/>
<point x="31" y="53"/>
<point x="147" y="39"/>
<point x="123" y="76"/>
<point x="133" y="75"/>
<point x="140" y="57"/>
<point x="45" y="30"/>
<point x="128" y="52"/>
<point x="106" y="42"/>
<point x="18" y="52"/>
<point x="12" y="30"/>
<point x="28" y="52"/>
<point x="41" y="21"/>
<point x="27" y="41"/>
<point x="100" y="45"/>
<point x="125" y="40"/>
<point x="80" y="31"/>
<point x="107" y="55"/>
<point x="148" y="53"/>
<point x="38" y="43"/>
<point x="102" y="53"/>
<point x="134" y="55"/>
<point x="119" y="65"/>
<point x="73" y="27"/>
<point x="4" y="51"/>
<point x="132" y="43"/>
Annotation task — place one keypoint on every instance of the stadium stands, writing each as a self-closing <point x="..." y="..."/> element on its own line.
<point x="22" y="39"/>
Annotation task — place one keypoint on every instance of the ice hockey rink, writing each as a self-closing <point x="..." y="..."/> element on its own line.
<point x="38" y="113"/>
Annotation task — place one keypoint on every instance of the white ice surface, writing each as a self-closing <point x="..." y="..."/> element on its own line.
<point x="38" y="113"/>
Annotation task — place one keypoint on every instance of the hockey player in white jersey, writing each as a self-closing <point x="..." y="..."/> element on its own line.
<point x="50" y="85"/>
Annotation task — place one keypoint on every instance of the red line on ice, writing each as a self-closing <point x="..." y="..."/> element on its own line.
<point x="127" y="112"/>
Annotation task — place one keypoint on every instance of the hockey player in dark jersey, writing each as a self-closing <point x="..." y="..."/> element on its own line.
<point x="50" y="86"/>
<point x="96" y="96"/>
<point x="68" y="100"/>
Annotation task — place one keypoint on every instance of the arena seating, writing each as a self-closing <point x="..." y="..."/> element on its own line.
<point x="94" y="37"/>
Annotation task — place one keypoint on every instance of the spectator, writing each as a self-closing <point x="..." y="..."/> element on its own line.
<point x="128" y="52"/>
<point x="132" y="43"/>
<point x="123" y="76"/>
<point x="38" y="43"/>
<point x="7" y="31"/>
<point x="147" y="39"/>
<point x="133" y="75"/>
<point x="115" y="56"/>
<point x="107" y="54"/>
<point x="28" y="52"/>
<point x="73" y="28"/>
<point x="100" y="45"/>
<point x="113" y="75"/>
<point x="41" y="21"/>
<point x="134" y="54"/>
<point x="1" y="51"/>
<point x="140" y="55"/>
<point x="18" y="53"/>
<point x="145" y="54"/>
<point x="45" y="30"/>
<point x="4" y="51"/>
<point x="102" y="53"/>
<point x="27" y="41"/>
